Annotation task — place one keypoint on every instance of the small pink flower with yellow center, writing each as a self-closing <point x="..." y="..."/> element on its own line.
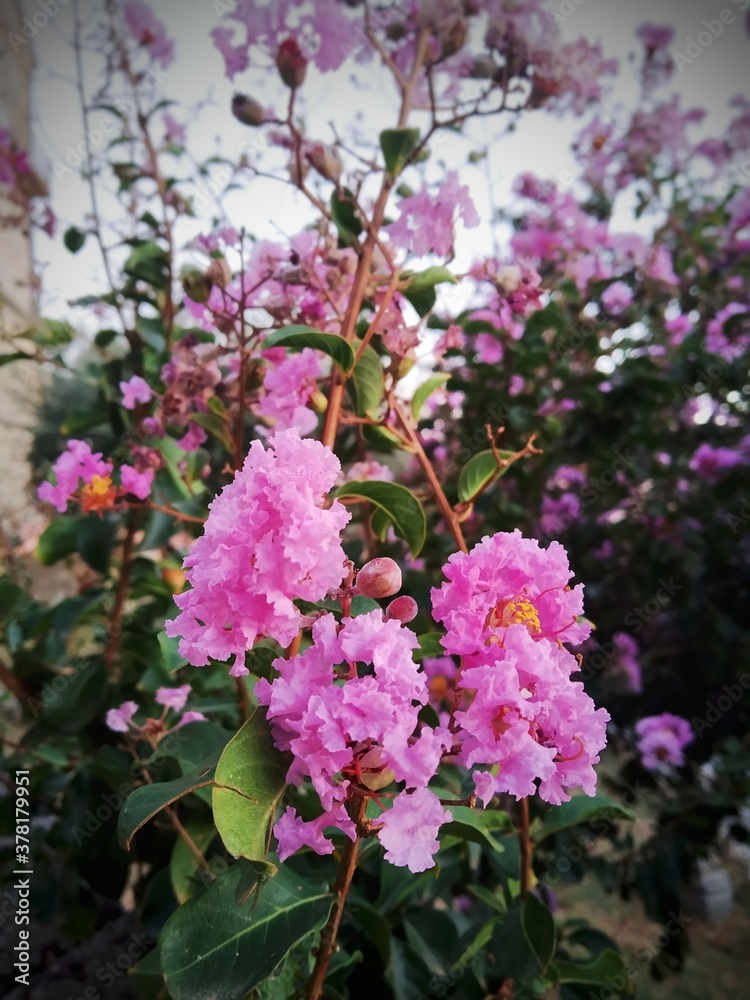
<point x="508" y="580"/>
<point x="99" y="494"/>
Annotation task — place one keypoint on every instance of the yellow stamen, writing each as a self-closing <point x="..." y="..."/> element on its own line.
<point x="98" y="494"/>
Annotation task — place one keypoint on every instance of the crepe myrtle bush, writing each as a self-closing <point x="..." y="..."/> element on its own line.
<point x="324" y="692"/>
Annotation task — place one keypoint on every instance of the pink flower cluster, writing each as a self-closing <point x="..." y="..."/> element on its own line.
<point x="662" y="740"/>
<point x="120" y="719"/>
<point x="149" y="32"/>
<point x="507" y="609"/>
<point x="289" y="383"/>
<point x="426" y="222"/>
<point x="268" y="540"/>
<point x="358" y="736"/>
<point x="84" y="475"/>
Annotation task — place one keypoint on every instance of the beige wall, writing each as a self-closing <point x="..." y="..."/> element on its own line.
<point x="19" y="381"/>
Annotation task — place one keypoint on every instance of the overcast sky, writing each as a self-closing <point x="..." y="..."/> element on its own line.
<point x="540" y="143"/>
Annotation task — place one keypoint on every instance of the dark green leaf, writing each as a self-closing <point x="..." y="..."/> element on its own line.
<point x="297" y="337"/>
<point x="580" y="809"/>
<point x="477" y="825"/>
<point x="398" y="144"/>
<point x="74" y="239"/>
<point x="214" y="424"/>
<point x="250" y="781"/>
<point x="366" y="384"/>
<point x="211" y="947"/>
<point x="398" y="503"/>
<point x="146" y="801"/>
<point x="478" y="472"/>
<point x="425" y="390"/>
<point x="149" y="263"/>
<point x="608" y="965"/>
<point x="345" y="217"/>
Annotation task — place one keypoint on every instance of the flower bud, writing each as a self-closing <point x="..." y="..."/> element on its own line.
<point x="396" y="30"/>
<point x="196" y="285"/>
<point x="291" y="64"/>
<point x="218" y="272"/>
<point x="326" y="161"/>
<point x="318" y="401"/>
<point x="379" y="578"/>
<point x="403" y="609"/>
<point x="483" y="68"/>
<point x="247" y="110"/>
<point x="453" y="37"/>
<point x="374" y="774"/>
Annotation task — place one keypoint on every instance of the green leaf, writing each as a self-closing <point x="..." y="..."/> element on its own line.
<point x="345" y="217"/>
<point x="94" y="540"/>
<point x="183" y="865"/>
<point x="82" y="699"/>
<point x="211" y="947"/>
<point x="398" y="144"/>
<point x="429" y="645"/>
<point x="580" y="809"/>
<point x="523" y="940"/>
<point x="147" y="800"/>
<point x="607" y="965"/>
<point x="6" y="359"/>
<point x="74" y="239"/>
<point x="479" y="472"/>
<point x="397" y="502"/>
<point x="477" y="825"/>
<point x="425" y="390"/>
<point x="297" y="336"/>
<point x="250" y="781"/>
<point x="58" y="540"/>
<point x="421" y="289"/>
<point x="214" y="424"/>
<point x="539" y="928"/>
<point x="147" y="978"/>
<point x="366" y="384"/>
<point x="149" y="263"/>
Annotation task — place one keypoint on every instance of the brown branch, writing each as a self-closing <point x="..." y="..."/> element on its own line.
<point x="347" y="866"/>
<point x="112" y="648"/>
<point x="449" y="514"/>
<point x="524" y="842"/>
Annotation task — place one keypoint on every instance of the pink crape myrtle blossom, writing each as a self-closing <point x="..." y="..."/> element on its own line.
<point x="268" y="540"/>
<point x="528" y="717"/>
<point x="174" y="698"/>
<point x="616" y="298"/>
<point x="118" y="719"/>
<point x="75" y="465"/>
<point x="662" y="740"/>
<point x="409" y="830"/>
<point x="137" y="483"/>
<point x="353" y="735"/>
<point x="720" y="341"/>
<point x="709" y="463"/>
<point x="289" y="383"/>
<point x="149" y="31"/>
<point x="626" y="661"/>
<point x="426" y="221"/>
<point x="507" y="579"/>
<point x="135" y="390"/>
<point x="655" y="36"/>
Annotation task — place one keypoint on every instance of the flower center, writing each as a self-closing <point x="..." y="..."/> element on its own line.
<point x="517" y="611"/>
<point x="98" y="494"/>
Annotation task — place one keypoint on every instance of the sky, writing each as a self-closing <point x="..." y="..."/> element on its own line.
<point x="718" y="68"/>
